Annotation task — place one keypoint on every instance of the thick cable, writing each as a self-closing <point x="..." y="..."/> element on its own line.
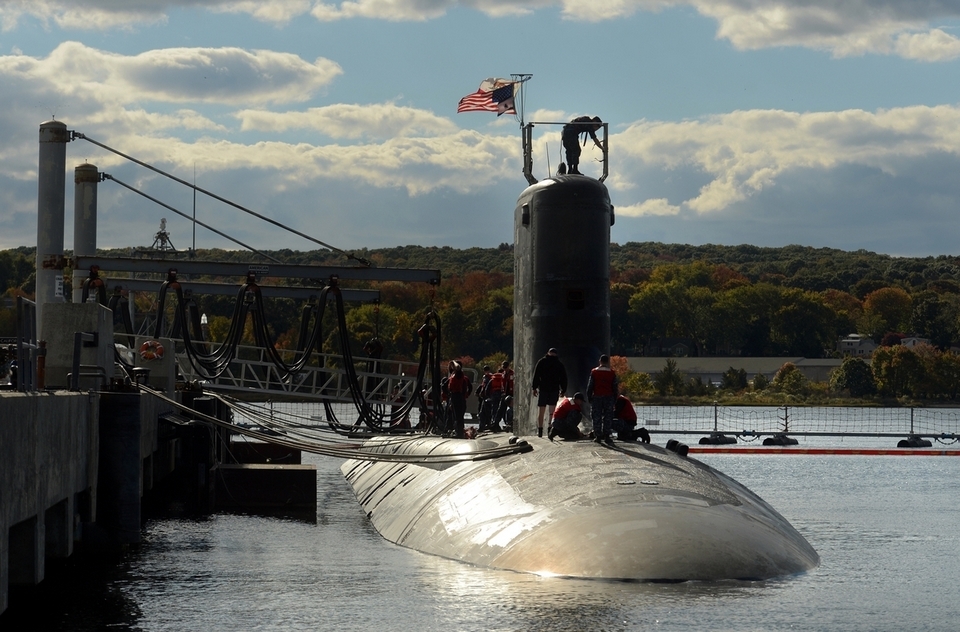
<point x="345" y="450"/>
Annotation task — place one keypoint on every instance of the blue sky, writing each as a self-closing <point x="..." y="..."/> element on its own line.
<point x="732" y="121"/>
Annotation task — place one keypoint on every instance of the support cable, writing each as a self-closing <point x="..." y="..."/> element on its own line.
<point x="361" y="260"/>
<point x="107" y="176"/>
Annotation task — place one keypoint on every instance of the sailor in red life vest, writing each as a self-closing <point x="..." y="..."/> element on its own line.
<point x="493" y="395"/>
<point x="624" y="418"/>
<point x="625" y="421"/>
<point x="507" y="377"/>
<point x="566" y="418"/>
<point x="602" y="391"/>
<point x="459" y="389"/>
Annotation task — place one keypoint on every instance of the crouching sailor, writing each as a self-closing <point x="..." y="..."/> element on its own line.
<point x="566" y="418"/>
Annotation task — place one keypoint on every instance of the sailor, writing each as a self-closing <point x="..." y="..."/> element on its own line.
<point x="495" y="395"/>
<point x="549" y="384"/>
<point x="570" y="137"/>
<point x="602" y="391"/>
<point x="483" y="409"/>
<point x="508" y="382"/>
<point x="459" y="389"/>
<point x="491" y="394"/>
<point x="625" y="419"/>
<point x="566" y="418"/>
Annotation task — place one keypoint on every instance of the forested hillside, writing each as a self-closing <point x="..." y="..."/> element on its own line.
<point x="725" y="300"/>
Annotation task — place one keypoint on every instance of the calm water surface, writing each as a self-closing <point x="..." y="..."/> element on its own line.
<point x="887" y="530"/>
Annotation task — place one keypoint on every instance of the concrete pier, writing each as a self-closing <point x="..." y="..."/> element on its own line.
<point x="48" y="478"/>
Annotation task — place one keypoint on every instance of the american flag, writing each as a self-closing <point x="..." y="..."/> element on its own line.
<point x="494" y="95"/>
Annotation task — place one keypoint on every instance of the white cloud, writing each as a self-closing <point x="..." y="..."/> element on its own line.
<point x="744" y="152"/>
<point x="853" y="27"/>
<point x="276" y="11"/>
<point x="84" y="15"/>
<point x="655" y="207"/>
<point x="381" y="121"/>
<point x="935" y="45"/>
<point x="175" y="75"/>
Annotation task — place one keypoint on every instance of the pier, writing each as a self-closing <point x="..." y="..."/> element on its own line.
<point x="85" y="468"/>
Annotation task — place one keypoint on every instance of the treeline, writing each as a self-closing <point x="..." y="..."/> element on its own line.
<point x="895" y="375"/>
<point x="723" y="300"/>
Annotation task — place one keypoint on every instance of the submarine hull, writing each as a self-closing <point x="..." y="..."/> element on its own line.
<point x="578" y="509"/>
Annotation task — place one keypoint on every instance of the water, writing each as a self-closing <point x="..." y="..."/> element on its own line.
<point x="887" y="530"/>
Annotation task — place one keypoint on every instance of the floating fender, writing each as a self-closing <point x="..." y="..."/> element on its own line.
<point x="717" y="439"/>
<point x="780" y="439"/>
<point x="914" y="441"/>
<point x="680" y="448"/>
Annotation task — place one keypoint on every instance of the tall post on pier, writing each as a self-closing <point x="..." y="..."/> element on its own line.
<point x="51" y="182"/>
<point x="85" y="178"/>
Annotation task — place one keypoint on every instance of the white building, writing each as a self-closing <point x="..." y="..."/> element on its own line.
<point x="856" y="345"/>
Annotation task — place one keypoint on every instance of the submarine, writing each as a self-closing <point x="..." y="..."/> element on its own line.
<point x="635" y="512"/>
<point x="631" y="511"/>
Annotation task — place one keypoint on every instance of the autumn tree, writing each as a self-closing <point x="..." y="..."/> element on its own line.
<point x="896" y="370"/>
<point x="854" y="376"/>
<point x="892" y="307"/>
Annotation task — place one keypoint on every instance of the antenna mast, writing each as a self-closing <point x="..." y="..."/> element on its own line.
<point x="519" y="94"/>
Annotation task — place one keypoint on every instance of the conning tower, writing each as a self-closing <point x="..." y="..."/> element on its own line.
<point x="561" y="279"/>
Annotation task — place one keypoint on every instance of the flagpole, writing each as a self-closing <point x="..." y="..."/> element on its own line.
<point x="521" y="78"/>
<point x="526" y="131"/>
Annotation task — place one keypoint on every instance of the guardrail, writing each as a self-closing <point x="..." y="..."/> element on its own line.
<point x="253" y="374"/>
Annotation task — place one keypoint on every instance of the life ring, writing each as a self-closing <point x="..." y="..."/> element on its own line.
<point x="151" y="350"/>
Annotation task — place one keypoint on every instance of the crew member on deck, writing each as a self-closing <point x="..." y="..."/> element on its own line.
<point x="570" y="137"/>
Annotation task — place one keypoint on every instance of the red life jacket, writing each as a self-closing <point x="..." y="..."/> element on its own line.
<point x="459" y="383"/>
<point x="565" y="406"/>
<point x="496" y="384"/>
<point x="508" y="382"/>
<point x="603" y="381"/>
<point x="624" y="409"/>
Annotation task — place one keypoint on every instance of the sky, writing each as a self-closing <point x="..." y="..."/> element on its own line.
<point x="763" y="122"/>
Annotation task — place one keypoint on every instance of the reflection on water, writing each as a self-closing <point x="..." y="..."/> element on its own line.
<point x="885" y="527"/>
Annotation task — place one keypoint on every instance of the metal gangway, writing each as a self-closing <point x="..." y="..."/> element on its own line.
<point x="253" y="375"/>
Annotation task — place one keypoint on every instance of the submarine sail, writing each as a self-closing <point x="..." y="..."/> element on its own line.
<point x="561" y="282"/>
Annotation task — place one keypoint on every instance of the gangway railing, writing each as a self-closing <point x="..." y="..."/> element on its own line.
<point x="253" y="373"/>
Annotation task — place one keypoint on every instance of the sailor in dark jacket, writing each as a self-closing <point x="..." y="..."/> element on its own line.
<point x="549" y="385"/>
<point x="570" y="138"/>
